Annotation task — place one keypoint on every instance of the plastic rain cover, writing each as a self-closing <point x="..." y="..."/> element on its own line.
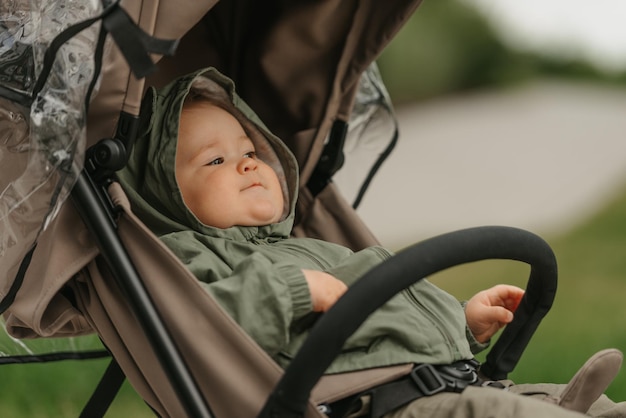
<point x="42" y="142"/>
<point x="41" y="146"/>
<point x="372" y="134"/>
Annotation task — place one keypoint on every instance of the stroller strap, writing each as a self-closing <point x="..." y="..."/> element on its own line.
<point x="134" y="43"/>
<point x="424" y="380"/>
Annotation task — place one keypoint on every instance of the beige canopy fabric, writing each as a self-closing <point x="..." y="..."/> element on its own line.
<point x="297" y="64"/>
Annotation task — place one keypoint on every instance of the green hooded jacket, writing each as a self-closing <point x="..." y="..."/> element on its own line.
<point x="255" y="272"/>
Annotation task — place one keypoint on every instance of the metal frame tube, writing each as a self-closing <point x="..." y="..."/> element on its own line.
<point x="92" y="208"/>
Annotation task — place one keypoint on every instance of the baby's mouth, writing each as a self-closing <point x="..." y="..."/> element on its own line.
<point x="253" y="185"/>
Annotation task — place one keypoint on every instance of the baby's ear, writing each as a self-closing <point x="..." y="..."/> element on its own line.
<point x="146" y="112"/>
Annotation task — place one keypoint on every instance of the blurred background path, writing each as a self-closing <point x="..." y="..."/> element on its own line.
<point x="515" y="117"/>
<point x="542" y="156"/>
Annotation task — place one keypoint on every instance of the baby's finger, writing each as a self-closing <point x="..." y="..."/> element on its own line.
<point x="505" y="295"/>
<point x="500" y="314"/>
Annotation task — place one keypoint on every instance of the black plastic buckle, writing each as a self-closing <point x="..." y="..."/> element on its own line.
<point x="427" y="379"/>
<point x="459" y="375"/>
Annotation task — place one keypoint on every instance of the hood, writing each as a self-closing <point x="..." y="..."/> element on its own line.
<point x="149" y="177"/>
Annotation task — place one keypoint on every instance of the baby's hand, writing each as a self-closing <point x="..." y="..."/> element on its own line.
<point x="325" y="289"/>
<point x="488" y="311"/>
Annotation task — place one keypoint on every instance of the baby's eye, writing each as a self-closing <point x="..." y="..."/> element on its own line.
<point x="251" y="154"/>
<point x="216" y="161"/>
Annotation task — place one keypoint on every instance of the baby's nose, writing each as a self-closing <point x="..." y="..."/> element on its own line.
<point x="247" y="164"/>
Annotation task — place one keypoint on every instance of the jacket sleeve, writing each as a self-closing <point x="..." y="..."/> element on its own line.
<point x="265" y="298"/>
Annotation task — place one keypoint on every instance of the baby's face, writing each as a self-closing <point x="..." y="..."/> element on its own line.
<point x="220" y="177"/>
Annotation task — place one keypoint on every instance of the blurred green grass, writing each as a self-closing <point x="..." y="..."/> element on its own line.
<point x="588" y="312"/>
<point x="60" y="389"/>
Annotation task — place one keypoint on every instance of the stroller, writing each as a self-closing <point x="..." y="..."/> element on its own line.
<point x="306" y="67"/>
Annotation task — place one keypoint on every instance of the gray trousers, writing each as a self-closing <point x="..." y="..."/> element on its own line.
<point x="485" y="402"/>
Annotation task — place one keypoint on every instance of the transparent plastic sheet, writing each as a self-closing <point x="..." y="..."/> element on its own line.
<point x="41" y="145"/>
<point x="15" y="350"/>
<point x="371" y="135"/>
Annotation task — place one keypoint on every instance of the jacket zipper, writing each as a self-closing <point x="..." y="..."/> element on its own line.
<point x="434" y="319"/>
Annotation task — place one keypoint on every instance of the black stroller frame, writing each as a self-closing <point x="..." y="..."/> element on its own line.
<point x="328" y="335"/>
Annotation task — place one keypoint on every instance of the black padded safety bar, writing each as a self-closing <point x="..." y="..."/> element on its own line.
<point x="423" y="259"/>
